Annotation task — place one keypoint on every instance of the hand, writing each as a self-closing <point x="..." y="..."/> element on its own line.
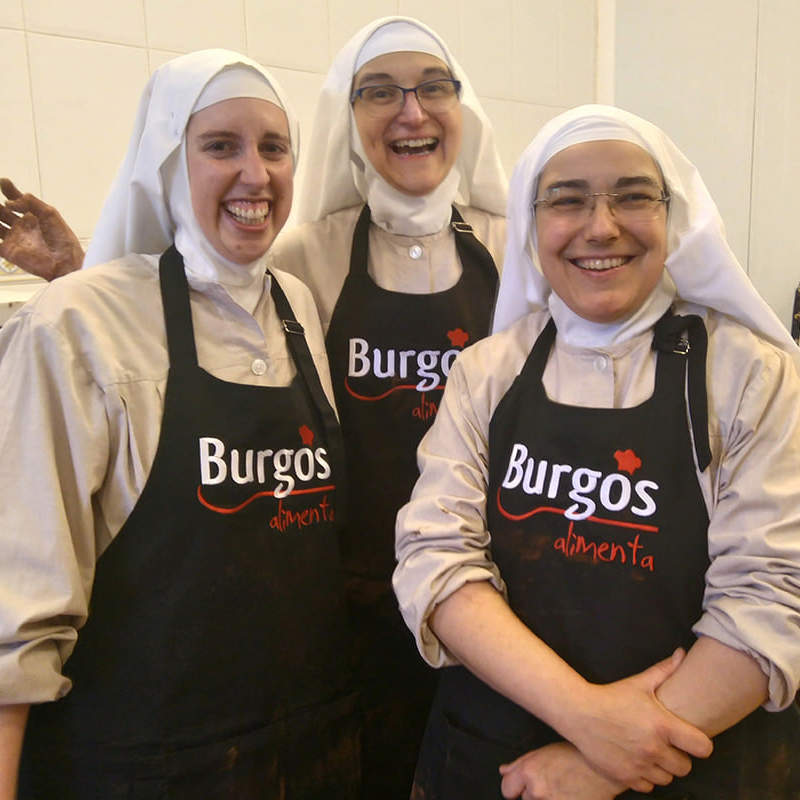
<point x="35" y="237"/>
<point x="628" y="735"/>
<point x="556" y="772"/>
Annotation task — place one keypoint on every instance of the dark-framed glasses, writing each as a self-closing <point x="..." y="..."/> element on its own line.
<point x="386" y="99"/>
<point x="634" y="205"/>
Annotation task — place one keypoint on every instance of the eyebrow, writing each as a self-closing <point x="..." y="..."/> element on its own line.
<point x="621" y="183"/>
<point x="428" y="72"/>
<point x="272" y="135"/>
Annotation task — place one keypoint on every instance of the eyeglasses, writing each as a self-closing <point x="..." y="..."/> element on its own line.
<point x="387" y="99"/>
<point x="637" y="205"/>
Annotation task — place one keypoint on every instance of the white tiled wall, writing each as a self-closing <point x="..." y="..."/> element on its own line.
<point x="73" y="71"/>
<point x="88" y="19"/>
<point x="775" y="233"/>
<point x="722" y="77"/>
<point x="690" y="68"/>
<point x="11" y="14"/>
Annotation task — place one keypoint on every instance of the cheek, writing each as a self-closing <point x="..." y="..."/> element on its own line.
<point x="548" y="241"/>
<point x="365" y="130"/>
<point x="202" y="190"/>
<point x="455" y="131"/>
<point x="657" y="247"/>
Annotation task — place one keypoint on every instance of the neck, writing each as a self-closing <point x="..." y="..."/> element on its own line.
<point x="580" y="332"/>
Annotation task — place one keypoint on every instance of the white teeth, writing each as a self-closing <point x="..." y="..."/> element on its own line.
<point x="415" y="142"/>
<point x="250" y="214"/>
<point x="600" y="263"/>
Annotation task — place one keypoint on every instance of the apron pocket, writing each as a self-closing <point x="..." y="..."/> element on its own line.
<point x="314" y="753"/>
<point x="471" y="768"/>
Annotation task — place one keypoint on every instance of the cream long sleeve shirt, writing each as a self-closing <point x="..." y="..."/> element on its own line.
<point x="83" y="370"/>
<point x="319" y="254"/>
<point x="751" y="488"/>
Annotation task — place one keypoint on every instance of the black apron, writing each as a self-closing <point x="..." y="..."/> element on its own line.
<point x="211" y="665"/>
<point x="390" y="353"/>
<point x="599" y="529"/>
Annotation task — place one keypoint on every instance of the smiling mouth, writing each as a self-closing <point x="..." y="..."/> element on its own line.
<point x="600" y="264"/>
<point x="415" y="147"/>
<point x="247" y="212"/>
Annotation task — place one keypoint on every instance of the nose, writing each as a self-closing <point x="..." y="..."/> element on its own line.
<point x="601" y="224"/>
<point x="411" y="111"/>
<point x="253" y="167"/>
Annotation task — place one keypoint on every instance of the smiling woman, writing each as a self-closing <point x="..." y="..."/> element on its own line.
<point x="607" y="519"/>
<point x="414" y="140"/>
<point x="401" y="247"/>
<point x="602" y="258"/>
<point x="240" y="167"/>
<point x="210" y="662"/>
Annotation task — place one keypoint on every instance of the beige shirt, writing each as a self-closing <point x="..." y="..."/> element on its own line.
<point x="83" y="370"/>
<point x="751" y="489"/>
<point x="319" y="254"/>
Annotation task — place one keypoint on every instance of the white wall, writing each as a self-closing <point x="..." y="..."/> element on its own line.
<point x="73" y="70"/>
<point x="722" y="77"/>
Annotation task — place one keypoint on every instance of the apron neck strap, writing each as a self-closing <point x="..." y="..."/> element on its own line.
<point x="177" y="311"/>
<point x="358" y="252"/>
<point x="685" y="337"/>
<point x="471" y="250"/>
<point x="298" y="347"/>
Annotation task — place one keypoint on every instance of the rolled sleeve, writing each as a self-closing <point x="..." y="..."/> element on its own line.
<point x="752" y="597"/>
<point x="442" y="538"/>
<point x="53" y="425"/>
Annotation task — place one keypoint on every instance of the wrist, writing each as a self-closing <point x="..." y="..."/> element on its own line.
<point x="568" y="710"/>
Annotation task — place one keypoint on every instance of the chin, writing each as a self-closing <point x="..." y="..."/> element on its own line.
<point x="418" y="187"/>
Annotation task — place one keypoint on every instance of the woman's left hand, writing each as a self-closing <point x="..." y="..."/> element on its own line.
<point x="556" y="772"/>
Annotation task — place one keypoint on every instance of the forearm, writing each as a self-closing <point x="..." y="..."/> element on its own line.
<point x="12" y="730"/>
<point x="714" y="687"/>
<point x="483" y="633"/>
<point x="620" y="728"/>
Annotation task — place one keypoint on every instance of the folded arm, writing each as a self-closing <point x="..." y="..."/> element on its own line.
<point x="713" y="687"/>
<point x="621" y="728"/>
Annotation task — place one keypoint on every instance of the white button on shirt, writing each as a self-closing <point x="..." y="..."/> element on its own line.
<point x="415" y="251"/>
<point x="259" y="366"/>
<point x="601" y="363"/>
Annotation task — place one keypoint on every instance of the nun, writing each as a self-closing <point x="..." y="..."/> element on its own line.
<point x="401" y="242"/>
<point x="602" y="551"/>
<point x="171" y="614"/>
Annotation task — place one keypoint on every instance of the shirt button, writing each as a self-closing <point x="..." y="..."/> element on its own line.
<point x="601" y="363"/>
<point x="259" y="366"/>
<point x="415" y="251"/>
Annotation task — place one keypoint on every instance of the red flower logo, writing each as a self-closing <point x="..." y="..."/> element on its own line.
<point x="307" y="435"/>
<point x="627" y="461"/>
<point x="458" y="337"/>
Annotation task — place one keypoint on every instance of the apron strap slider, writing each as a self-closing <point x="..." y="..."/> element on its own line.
<point x="461" y="227"/>
<point x="293" y="326"/>
<point x="682" y="346"/>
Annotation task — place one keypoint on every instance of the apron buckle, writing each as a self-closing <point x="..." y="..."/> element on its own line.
<point x="293" y="326"/>
<point x="682" y="346"/>
<point x="461" y="227"/>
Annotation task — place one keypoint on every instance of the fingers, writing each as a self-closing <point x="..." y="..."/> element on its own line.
<point x="676" y="763"/>
<point x="689" y="739"/>
<point x="512" y="785"/>
<point x="654" y="676"/>
<point x="7" y="218"/>
<point x="22" y="202"/>
<point x="506" y="768"/>
<point x="9" y="190"/>
<point x="642" y="785"/>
